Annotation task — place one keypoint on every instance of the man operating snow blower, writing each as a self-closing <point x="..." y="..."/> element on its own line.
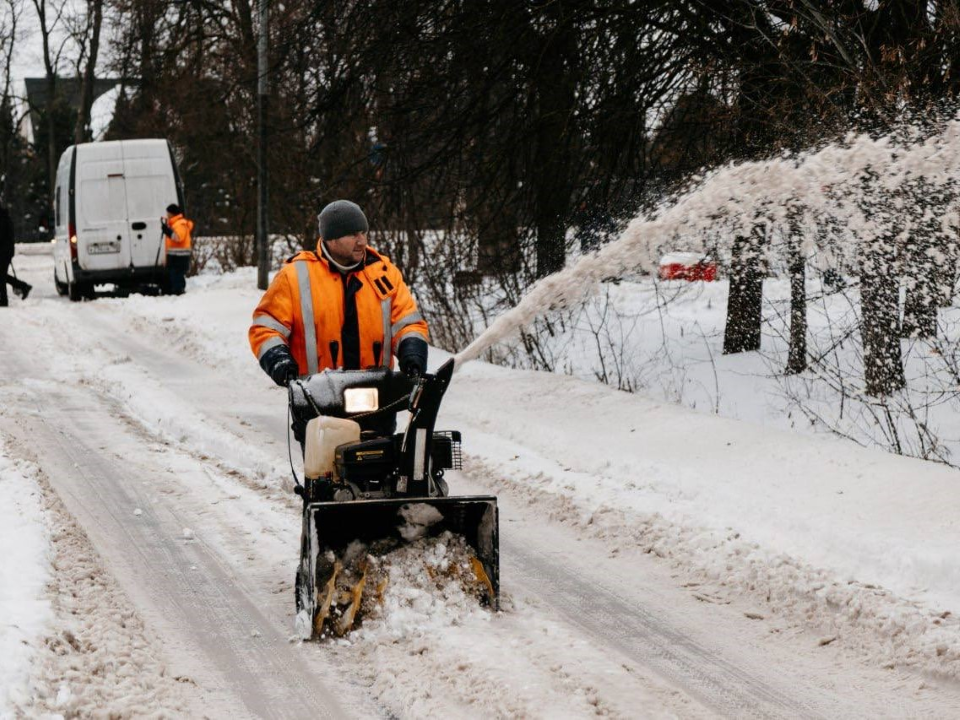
<point x="327" y="328"/>
<point x="343" y="305"/>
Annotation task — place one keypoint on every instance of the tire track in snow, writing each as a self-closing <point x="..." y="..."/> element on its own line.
<point x="640" y="635"/>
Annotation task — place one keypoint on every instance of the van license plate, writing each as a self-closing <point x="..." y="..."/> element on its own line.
<point x="103" y="248"/>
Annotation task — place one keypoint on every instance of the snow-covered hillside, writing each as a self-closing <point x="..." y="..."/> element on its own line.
<point x="656" y="561"/>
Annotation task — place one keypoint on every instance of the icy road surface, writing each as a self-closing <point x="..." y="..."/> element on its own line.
<point x="151" y="422"/>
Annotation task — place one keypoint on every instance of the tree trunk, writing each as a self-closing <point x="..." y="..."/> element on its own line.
<point x="80" y="132"/>
<point x="745" y="299"/>
<point x="51" y="83"/>
<point x="880" y="323"/>
<point x="498" y="241"/>
<point x="51" y="122"/>
<point x="946" y="271"/>
<point x="922" y="295"/>
<point x="920" y="305"/>
<point x="797" y="355"/>
<point x="7" y="123"/>
<point x="555" y="88"/>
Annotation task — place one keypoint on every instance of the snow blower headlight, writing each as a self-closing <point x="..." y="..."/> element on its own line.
<point x="358" y="400"/>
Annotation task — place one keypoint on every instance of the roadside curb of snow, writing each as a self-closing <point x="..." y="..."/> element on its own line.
<point x="888" y="630"/>
<point x="175" y="330"/>
<point x="97" y="659"/>
<point x="140" y="400"/>
<point x="166" y="420"/>
<point x="24" y="578"/>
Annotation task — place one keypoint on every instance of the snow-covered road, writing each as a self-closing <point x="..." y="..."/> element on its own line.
<point x="151" y="422"/>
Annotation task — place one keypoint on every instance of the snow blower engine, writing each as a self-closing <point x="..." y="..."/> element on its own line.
<point x="369" y="491"/>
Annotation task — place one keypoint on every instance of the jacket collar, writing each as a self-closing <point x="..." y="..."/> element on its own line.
<point x="371" y="256"/>
<point x="334" y="265"/>
<point x="181" y="218"/>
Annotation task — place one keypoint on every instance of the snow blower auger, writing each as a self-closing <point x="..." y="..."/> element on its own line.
<point x="368" y="491"/>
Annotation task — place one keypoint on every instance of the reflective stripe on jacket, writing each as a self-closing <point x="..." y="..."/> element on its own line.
<point x="304" y="308"/>
<point x="181" y="242"/>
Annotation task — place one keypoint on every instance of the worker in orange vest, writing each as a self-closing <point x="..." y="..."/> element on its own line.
<point x="343" y="305"/>
<point x="177" y="230"/>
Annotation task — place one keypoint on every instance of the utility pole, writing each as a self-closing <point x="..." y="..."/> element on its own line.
<point x="263" y="251"/>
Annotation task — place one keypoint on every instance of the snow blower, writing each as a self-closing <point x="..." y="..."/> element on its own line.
<point x="369" y="490"/>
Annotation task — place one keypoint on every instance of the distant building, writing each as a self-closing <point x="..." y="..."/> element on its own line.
<point x="68" y="90"/>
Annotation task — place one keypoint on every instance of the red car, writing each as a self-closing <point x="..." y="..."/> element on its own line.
<point x="687" y="266"/>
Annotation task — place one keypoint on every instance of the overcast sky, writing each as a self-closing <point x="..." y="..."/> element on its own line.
<point x="28" y="61"/>
<point x="28" y="56"/>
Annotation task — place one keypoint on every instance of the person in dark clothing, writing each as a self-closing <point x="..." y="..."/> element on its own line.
<point x="6" y="257"/>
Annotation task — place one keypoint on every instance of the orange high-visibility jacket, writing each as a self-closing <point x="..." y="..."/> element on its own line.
<point x="181" y="242"/>
<point x="304" y="309"/>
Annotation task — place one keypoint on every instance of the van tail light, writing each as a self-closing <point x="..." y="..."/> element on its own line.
<point x="73" y="242"/>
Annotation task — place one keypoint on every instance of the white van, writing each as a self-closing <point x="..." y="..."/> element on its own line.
<point x="108" y="202"/>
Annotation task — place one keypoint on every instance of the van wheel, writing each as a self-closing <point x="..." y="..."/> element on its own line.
<point x="61" y="287"/>
<point x="77" y="292"/>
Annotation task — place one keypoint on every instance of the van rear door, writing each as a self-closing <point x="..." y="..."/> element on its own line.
<point x="102" y="228"/>
<point x="150" y="188"/>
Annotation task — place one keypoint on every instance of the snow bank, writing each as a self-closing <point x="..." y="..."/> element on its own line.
<point x="843" y="539"/>
<point x="39" y="248"/>
<point x="25" y="610"/>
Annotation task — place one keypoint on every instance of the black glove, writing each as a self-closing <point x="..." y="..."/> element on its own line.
<point x="278" y="363"/>
<point x="413" y="356"/>
<point x="166" y="228"/>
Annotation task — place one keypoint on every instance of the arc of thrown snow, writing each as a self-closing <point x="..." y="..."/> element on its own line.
<point x="736" y="191"/>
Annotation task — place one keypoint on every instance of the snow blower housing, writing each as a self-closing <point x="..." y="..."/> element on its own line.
<point x="364" y="483"/>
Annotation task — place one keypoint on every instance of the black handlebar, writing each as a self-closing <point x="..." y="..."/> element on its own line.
<point x="322" y="393"/>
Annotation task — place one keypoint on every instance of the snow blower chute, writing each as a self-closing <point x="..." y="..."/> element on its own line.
<point x="369" y="490"/>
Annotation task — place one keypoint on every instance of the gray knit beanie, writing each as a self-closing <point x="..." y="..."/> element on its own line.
<point x="340" y="218"/>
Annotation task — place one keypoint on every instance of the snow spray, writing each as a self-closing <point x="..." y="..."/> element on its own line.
<point x="826" y="182"/>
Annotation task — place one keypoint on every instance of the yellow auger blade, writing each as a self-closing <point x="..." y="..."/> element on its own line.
<point x="356" y="596"/>
<point x="325" y="598"/>
<point x="482" y="577"/>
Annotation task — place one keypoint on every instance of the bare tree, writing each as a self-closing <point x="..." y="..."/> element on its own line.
<point x="91" y="41"/>
<point x="50" y="16"/>
<point x="797" y="269"/>
<point x="745" y="304"/>
<point x="880" y="322"/>
<point x="12" y="11"/>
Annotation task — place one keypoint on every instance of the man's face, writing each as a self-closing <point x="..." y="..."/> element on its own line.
<point x="348" y="250"/>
